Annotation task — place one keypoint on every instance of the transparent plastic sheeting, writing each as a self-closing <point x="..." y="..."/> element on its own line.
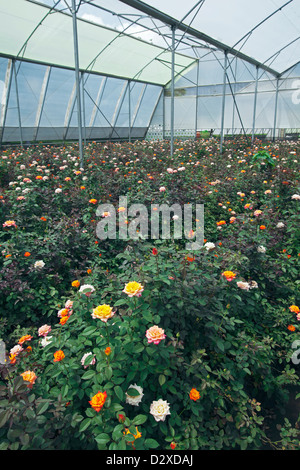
<point x="190" y="117"/>
<point x="267" y="30"/>
<point x="32" y="31"/>
<point x="48" y="111"/>
<point x="38" y="101"/>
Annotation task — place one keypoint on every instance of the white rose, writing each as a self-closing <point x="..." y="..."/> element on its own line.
<point x="39" y="264"/>
<point x="160" y="409"/>
<point x="46" y="340"/>
<point x="134" y="400"/>
<point x="243" y="285"/>
<point x="91" y="362"/>
<point x="209" y="246"/>
<point x="86" y="289"/>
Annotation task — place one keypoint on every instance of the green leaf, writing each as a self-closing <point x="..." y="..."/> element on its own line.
<point x="120" y="302"/>
<point x="24" y="438"/>
<point x="220" y="344"/>
<point x="129" y="437"/>
<point x="122" y="445"/>
<point x="85" y="424"/>
<point x="108" y="373"/>
<point x="42" y="407"/>
<point x="88" y="375"/>
<point x="133" y="392"/>
<point x="139" y="419"/>
<point x="4" y="415"/>
<point x="243" y="444"/>
<point x="117" y="432"/>
<point x="147" y="315"/>
<point x="116" y="407"/>
<point x="102" y="438"/>
<point x="139" y="348"/>
<point x="161" y="379"/>
<point x="151" y="443"/>
<point x="89" y="330"/>
<point x="119" y="392"/>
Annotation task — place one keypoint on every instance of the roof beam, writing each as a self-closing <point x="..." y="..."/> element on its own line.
<point x="172" y="22"/>
<point x="290" y="68"/>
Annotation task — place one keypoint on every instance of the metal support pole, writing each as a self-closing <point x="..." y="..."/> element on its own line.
<point x="275" y="111"/>
<point x="129" y="112"/>
<point x="164" y="115"/>
<point x="83" y="107"/>
<point x="138" y="105"/>
<point x="196" y="111"/>
<point x="223" y="104"/>
<point x="118" y="108"/>
<point x="18" y="103"/>
<point x="41" y="101"/>
<point x="5" y="97"/>
<point x="97" y="102"/>
<point x="77" y="78"/>
<point x="172" y="89"/>
<point x="234" y="100"/>
<point x="255" y="101"/>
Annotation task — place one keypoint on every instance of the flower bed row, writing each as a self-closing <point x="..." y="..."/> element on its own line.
<point x="141" y="344"/>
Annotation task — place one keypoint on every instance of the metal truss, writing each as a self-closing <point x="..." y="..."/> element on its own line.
<point x="176" y="34"/>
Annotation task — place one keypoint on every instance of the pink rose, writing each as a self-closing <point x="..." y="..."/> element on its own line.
<point x="155" y="334"/>
<point x="44" y="330"/>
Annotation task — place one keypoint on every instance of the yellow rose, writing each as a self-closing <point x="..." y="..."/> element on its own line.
<point x="103" y="312"/>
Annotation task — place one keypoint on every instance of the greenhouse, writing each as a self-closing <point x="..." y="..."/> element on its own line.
<point x="147" y="74"/>
<point x="149" y="214"/>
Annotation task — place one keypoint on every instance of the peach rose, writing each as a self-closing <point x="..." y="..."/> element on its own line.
<point x="155" y="334"/>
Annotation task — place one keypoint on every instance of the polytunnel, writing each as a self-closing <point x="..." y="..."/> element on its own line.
<point x="125" y="69"/>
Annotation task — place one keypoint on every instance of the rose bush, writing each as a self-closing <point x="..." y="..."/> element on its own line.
<point x="141" y="344"/>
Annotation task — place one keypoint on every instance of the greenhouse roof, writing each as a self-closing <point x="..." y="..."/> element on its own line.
<point x="35" y="32"/>
<point x="266" y="31"/>
<point x="134" y="42"/>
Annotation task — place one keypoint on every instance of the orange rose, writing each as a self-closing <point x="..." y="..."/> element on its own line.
<point x="75" y="283"/>
<point x="13" y="359"/>
<point x="98" y="400"/>
<point x="229" y="275"/>
<point x="30" y="377"/>
<point x="194" y="394"/>
<point x="24" y="338"/>
<point x="58" y="356"/>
